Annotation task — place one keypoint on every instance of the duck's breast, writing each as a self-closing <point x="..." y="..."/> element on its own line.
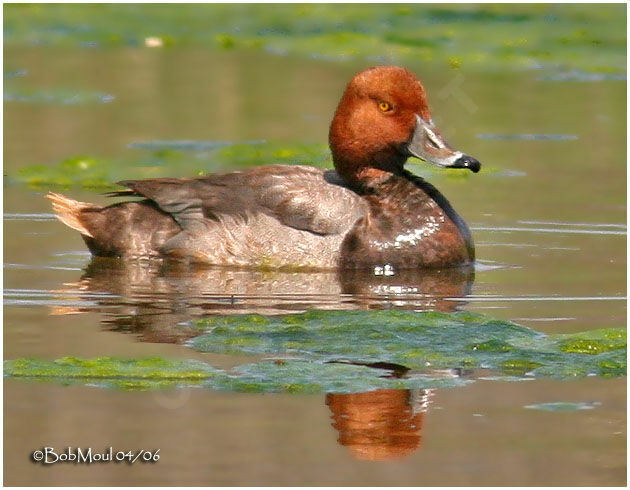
<point x="410" y="224"/>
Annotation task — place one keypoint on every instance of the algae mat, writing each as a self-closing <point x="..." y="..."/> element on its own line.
<point x="574" y="37"/>
<point x="349" y="352"/>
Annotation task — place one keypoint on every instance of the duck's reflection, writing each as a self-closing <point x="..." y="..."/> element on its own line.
<point x="162" y="297"/>
<point x="157" y="301"/>
<point x="379" y="425"/>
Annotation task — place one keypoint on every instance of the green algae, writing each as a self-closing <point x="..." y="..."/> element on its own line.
<point x="610" y="368"/>
<point x="588" y="37"/>
<point x="316" y="154"/>
<point x="106" y="367"/>
<point x="303" y="376"/>
<point x="111" y="372"/>
<point x="168" y="158"/>
<point x="165" y="159"/>
<point x="420" y="339"/>
<point x="518" y="367"/>
<point x="280" y="375"/>
<point x="81" y="170"/>
<point x="595" y="342"/>
<point x="97" y="173"/>
<point x="493" y="345"/>
<point x="349" y="352"/>
<point x="582" y="346"/>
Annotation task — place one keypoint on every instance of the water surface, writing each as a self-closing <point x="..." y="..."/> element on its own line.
<point x="548" y="216"/>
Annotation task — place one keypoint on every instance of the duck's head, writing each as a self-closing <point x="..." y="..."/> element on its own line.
<point x="382" y="119"/>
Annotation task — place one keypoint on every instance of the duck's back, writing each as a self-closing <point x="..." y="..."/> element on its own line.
<point x="275" y="216"/>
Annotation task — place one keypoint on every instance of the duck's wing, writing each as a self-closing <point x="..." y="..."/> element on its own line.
<point x="307" y="198"/>
<point x="302" y="198"/>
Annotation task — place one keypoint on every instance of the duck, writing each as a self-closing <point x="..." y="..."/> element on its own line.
<point x="369" y="212"/>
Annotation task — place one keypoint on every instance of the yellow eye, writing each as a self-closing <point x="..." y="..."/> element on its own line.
<point x="384" y="106"/>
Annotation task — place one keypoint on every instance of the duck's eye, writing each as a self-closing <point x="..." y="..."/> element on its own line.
<point x="385" y="106"/>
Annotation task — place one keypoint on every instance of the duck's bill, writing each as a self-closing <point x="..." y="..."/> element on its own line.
<point x="427" y="144"/>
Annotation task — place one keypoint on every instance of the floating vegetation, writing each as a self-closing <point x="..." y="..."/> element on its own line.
<point x="168" y="158"/>
<point x="315" y="154"/>
<point x="110" y="372"/>
<point x="84" y="171"/>
<point x="353" y="351"/>
<point x="418" y="340"/>
<point x="286" y="375"/>
<point x="573" y="37"/>
<point x="306" y="376"/>
<point x="593" y="342"/>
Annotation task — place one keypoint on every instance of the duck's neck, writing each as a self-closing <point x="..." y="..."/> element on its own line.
<point x="369" y="177"/>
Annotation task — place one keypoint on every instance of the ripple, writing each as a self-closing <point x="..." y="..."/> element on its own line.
<point x="30" y="216"/>
<point x="486" y="265"/>
<point x="59" y="97"/>
<point x="188" y="145"/>
<point x="550" y="319"/>
<point x="50" y="298"/>
<point x="563" y="406"/>
<point x="580" y="76"/>
<point x="41" y="267"/>
<point x="498" y="298"/>
<point x="564" y="223"/>
<point x="39" y="293"/>
<point x="515" y="245"/>
<point x="276" y="50"/>
<point x="49" y="302"/>
<point x="547" y="230"/>
<point x="510" y="173"/>
<point x="528" y="137"/>
<point x="15" y="74"/>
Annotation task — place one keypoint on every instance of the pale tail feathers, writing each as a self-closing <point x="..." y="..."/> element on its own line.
<point x="69" y="211"/>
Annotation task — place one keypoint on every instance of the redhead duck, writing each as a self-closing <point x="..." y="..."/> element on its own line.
<point x="368" y="212"/>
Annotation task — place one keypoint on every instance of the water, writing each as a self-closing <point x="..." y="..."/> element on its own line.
<point x="548" y="216"/>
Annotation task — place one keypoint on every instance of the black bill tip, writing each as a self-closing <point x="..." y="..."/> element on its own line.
<point x="467" y="162"/>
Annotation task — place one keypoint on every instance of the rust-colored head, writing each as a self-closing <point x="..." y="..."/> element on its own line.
<point x="382" y="119"/>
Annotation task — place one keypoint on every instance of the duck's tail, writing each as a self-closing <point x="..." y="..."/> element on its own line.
<point x="124" y="229"/>
<point x="69" y="211"/>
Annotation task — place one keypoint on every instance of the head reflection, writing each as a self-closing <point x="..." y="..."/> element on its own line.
<point x="379" y="425"/>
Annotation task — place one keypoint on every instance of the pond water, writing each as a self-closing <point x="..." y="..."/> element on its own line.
<point x="548" y="216"/>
